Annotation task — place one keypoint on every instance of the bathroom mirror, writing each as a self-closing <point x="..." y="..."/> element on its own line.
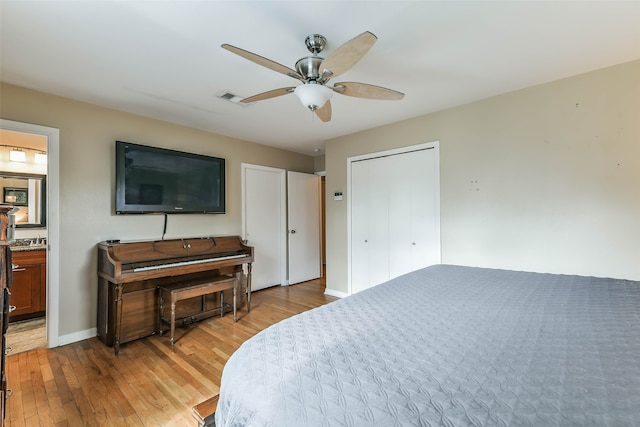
<point x="27" y="192"/>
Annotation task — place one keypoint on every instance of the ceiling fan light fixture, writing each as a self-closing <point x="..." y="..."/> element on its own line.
<point x="313" y="95"/>
<point x="315" y="72"/>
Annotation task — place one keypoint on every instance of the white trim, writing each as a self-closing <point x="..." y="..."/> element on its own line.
<point x="427" y="145"/>
<point x="78" y="336"/>
<point x="401" y="150"/>
<point x="53" y="221"/>
<point x="282" y="244"/>
<point x="334" y="293"/>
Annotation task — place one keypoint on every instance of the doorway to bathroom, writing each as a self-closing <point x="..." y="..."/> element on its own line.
<point x="37" y="221"/>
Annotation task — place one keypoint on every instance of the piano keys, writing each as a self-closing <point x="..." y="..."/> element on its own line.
<point x="129" y="274"/>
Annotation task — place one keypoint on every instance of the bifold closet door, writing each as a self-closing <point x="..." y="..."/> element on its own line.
<point x="394" y="216"/>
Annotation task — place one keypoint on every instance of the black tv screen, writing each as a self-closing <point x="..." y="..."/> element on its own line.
<point x="159" y="180"/>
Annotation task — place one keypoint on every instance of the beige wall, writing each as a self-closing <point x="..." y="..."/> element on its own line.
<point x="87" y="135"/>
<point x="543" y="179"/>
<point x="319" y="163"/>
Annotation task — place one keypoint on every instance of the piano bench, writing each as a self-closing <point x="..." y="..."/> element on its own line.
<point x="201" y="288"/>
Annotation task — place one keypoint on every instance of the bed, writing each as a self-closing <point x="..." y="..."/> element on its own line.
<point x="447" y="345"/>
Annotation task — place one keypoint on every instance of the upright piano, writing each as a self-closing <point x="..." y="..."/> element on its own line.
<point x="129" y="274"/>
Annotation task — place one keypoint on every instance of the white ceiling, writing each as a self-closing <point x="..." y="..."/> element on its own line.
<point x="163" y="59"/>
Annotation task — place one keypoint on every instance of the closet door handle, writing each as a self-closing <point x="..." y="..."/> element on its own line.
<point x="12" y="308"/>
<point x="18" y="269"/>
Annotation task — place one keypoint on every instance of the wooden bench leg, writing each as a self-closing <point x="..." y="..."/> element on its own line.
<point x="161" y="314"/>
<point x="173" y="321"/>
<point x="221" y="303"/>
<point x="235" y="310"/>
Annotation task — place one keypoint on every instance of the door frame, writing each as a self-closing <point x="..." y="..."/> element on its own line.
<point x="401" y="150"/>
<point x="282" y="244"/>
<point x="53" y="221"/>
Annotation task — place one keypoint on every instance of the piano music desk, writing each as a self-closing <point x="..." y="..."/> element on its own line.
<point x="201" y="288"/>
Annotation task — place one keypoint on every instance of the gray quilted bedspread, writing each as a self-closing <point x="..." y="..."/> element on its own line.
<point x="450" y="346"/>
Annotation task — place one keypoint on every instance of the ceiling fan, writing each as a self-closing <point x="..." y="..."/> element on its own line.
<point x="315" y="72"/>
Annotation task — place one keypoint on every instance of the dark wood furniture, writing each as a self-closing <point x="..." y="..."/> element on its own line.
<point x="6" y="235"/>
<point x="200" y="288"/>
<point x="29" y="288"/>
<point x="130" y="273"/>
<point x="205" y="412"/>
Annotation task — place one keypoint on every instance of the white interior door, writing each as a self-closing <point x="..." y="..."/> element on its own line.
<point x="304" y="226"/>
<point x="264" y="223"/>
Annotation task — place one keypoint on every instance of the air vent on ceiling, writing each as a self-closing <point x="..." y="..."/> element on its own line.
<point x="228" y="96"/>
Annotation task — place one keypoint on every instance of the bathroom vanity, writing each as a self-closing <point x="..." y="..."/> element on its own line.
<point x="29" y="270"/>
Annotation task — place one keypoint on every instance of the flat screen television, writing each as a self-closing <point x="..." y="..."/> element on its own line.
<point x="159" y="180"/>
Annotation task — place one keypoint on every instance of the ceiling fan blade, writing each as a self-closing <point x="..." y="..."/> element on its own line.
<point x="363" y="90"/>
<point x="260" y="60"/>
<point x="324" y="113"/>
<point x="269" y="94"/>
<point x="347" y="55"/>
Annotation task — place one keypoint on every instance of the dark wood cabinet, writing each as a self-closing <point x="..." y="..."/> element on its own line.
<point x="5" y="299"/>
<point x="28" y="292"/>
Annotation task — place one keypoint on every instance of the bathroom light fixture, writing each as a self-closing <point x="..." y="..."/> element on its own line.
<point x="17" y="155"/>
<point x="313" y="95"/>
<point x="41" y="158"/>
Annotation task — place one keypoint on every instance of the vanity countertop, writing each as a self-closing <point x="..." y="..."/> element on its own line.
<point x="22" y="245"/>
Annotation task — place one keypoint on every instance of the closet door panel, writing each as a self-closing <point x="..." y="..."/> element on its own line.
<point x="378" y="218"/>
<point x="425" y="223"/>
<point x="400" y="206"/>
<point x="360" y="259"/>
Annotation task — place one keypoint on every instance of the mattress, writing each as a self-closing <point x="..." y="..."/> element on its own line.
<point x="447" y="346"/>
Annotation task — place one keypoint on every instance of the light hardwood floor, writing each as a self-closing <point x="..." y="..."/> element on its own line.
<point x="149" y="383"/>
<point x="27" y="335"/>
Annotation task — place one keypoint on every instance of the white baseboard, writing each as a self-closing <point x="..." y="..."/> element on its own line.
<point x="77" y="336"/>
<point x="334" y="293"/>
